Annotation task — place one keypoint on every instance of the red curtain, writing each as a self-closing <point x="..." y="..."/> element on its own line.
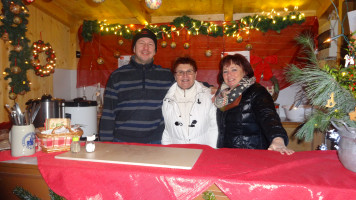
<point x="281" y="46"/>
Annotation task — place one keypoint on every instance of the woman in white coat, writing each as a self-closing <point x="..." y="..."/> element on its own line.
<point x="188" y="111"/>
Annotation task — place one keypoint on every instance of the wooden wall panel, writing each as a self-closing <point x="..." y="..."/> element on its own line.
<point x="40" y="26"/>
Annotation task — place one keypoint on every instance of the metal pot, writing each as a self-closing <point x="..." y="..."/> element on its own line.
<point x="50" y="108"/>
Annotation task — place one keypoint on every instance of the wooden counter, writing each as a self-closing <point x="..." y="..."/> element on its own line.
<point x="26" y="176"/>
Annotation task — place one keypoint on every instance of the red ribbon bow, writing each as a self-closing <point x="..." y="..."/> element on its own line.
<point x="263" y="66"/>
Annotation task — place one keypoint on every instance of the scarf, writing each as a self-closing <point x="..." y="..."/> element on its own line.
<point x="228" y="98"/>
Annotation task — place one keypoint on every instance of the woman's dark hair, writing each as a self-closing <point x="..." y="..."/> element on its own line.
<point x="184" y="60"/>
<point x="237" y="59"/>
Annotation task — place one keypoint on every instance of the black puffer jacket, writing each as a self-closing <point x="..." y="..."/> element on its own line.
<point x="253" y="124"/>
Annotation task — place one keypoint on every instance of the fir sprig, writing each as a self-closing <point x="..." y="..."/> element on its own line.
<point x="320" y="84"/>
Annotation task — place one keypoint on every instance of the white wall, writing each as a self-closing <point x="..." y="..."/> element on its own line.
<point x="65" y="86"/>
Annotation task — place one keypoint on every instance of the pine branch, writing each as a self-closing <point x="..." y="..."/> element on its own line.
<point x="320" y="86"/>
<point x="24" y="194"/>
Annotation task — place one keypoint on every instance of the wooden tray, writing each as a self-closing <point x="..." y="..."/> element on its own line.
<point x="154" y="156"/>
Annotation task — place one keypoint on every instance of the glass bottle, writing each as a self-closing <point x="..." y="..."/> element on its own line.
<point x="75" y="145"/>
<point x="90" y="144"/>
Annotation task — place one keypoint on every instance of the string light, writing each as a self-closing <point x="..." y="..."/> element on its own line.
<point x="257" y="22"/>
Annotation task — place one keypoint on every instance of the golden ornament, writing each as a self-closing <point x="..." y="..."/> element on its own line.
<point x="16" y="9"/>
<point x="163" y="44"/>
<point x="331" y="102"/>
<point x="239" y="39"/>
<point x="186" y="45"/>
<point x="18" y="48"/>
<point x="248" y="47"/>
<point x="117" y="54"/>
<point x="208" y="53"/>
<point x="5" y="36"/>
<point x="12" y="96"/>
<point x="173" y="45"/>
<point x="353" y="115"/>
<point x="17" y="20"/>
<point x="15" y="69"/>
<point x="100" y="60"/>
<point x="120" y="42"/>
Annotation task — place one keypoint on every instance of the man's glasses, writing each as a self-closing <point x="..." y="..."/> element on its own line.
<point x="181" y="73"/>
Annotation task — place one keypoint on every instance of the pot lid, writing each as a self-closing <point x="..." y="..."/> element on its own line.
<point x="80" y="102"/>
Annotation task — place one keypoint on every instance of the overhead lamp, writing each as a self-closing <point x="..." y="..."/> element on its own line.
<point x="98" y="1"/>
<point x="153" y="4"/>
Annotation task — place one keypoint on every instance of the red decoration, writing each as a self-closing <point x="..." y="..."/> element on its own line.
<point x="27" y="2"/>
<point x="43" y="70"/>
<point x="263" y="66"/>
<point x="269" y="43"/>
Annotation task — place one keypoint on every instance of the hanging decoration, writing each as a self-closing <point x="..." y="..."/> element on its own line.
<point x="15" y="69"/>
<point x="261" y="22"/>
<point x="173" y="45"/>
<point x="12" y="96"/>
<point x="353" y="115"/>
<point x="208" y="53"/>
<point x="98" y="1"/>
<point x="18" y="48"/>
<point x="15" y="8"/>
<point x="186" y="45"/>
<point x="120" y="42"/>
<point x="13" y="27"/>
<point x="117" y="54"/>
<point x="17" y="20"/>
<point x="28" y="1"/>
<point x="153" y="4"/>
<point x="239" y="39"/>
<point x="163" y="44"/>
<point x="38" y="48"/>
<point x="248" y="47"/>
<point x="5" y="37"/>
<point x="100" y="60"/>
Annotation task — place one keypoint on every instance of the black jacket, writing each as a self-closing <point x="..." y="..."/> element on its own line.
<point x="253" y="124"/>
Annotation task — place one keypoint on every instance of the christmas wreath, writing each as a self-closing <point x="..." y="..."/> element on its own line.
<point x="38" y="48"/>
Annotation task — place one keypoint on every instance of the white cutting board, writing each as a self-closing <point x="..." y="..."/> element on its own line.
<point x="155" y="156"/>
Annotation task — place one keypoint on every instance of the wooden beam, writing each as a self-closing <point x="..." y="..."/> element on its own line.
<point x="54" y="11"/>
<point x="139" y="12"/>
<point x="325" y="5"/>
<point x="228" y="10"/>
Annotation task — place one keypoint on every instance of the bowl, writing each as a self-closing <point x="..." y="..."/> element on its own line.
<point x="297" y="114"/>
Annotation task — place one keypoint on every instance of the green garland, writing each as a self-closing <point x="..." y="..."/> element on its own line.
<point x="319" y="83"/>
<point x="262" y="23"/>
<point x="13" y="28"/>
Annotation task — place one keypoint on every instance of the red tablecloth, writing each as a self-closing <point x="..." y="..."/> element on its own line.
<point x="239" y="173"/>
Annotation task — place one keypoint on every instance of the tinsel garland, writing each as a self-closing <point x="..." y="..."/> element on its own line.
<point x="14" y="24"/>
<point x="262" y="23"/>
<point x="320" y="85"/>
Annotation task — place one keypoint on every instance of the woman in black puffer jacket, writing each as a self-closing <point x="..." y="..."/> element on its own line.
<point x="246" y="114"/>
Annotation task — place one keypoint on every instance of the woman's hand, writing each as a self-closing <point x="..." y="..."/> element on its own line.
<point x="278" y="145"/>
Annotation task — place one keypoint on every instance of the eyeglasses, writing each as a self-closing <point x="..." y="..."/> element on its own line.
<point x="181" y="73"/>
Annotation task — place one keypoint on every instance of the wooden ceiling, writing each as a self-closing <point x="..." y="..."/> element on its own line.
<point x="136" y="11"/>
